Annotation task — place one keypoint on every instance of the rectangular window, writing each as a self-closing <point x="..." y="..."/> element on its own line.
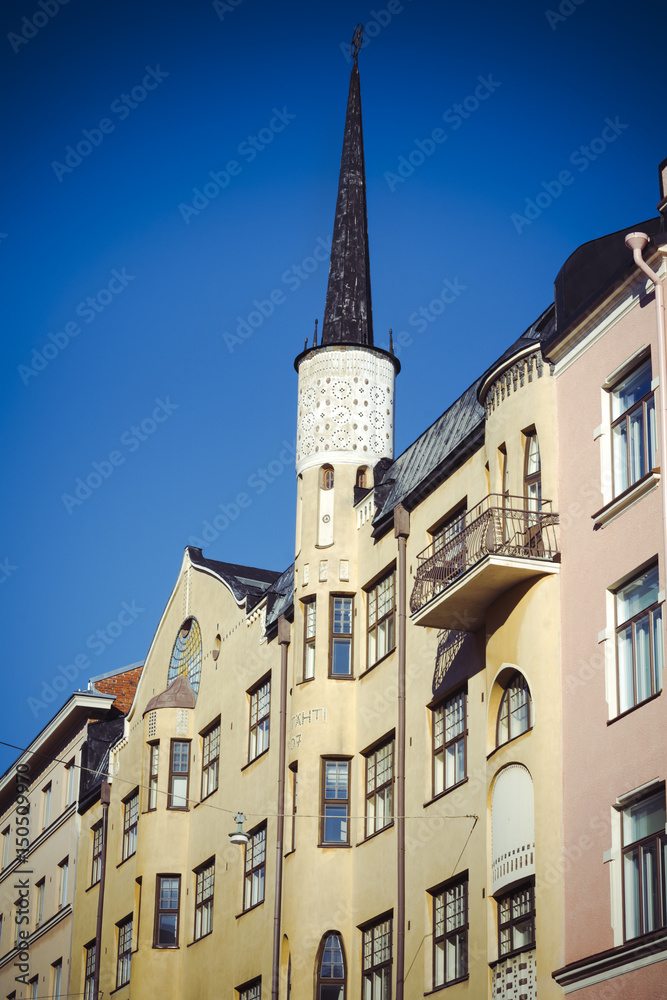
<point x="449" y="530"/>
<point x="204" y="879"/>
<point x="124" y="951"/>
<point x="645" y="866"/>
<point x="32" y="988"/>
<point x="251" y="991"/>
<point x="516" y="920"/>
<point x="179" y="774"/>
<point x="46" y="806"/>
<point x="450" y="932"/>
<point x="639" y="644"/>
<point x="39" y="903"/>
<point x="70" y="776"/>
<point x="130" y="821"/>
<point x="5" y="846"/>
<point x="89" y="980"/>
<point x="167" y="907"/>
<point x="210" y="763"/>
<point x="335" y="827"/>
<point x="449" y="742"/>
<point x="309" y="624"/>
<point x="381" y="610"/>
<point x="56" y="979"/>
<point x="340" y="660"/>
<point x="96" y="871"/>
<point x="633" y="428"/>
<point x="153" y="770"/>
<point x="294" y="768"/>
<point x="260" y="707"/>
<point x="380" y="787"/>
<point x="62" y="892"/>
<point x="377" y="957"/>
<point x="255" y="866"/>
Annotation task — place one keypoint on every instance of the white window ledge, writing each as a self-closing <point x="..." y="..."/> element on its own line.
<point x="616" y="507"/>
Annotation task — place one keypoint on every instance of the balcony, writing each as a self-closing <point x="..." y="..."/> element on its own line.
<point x="501" y="542"/>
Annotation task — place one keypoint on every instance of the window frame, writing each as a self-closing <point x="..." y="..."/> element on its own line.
<point x="174" y="775"/>
<point x="504" y="699"/>
<point x="70" y="794"/>
<point x="371" y="827"/>
<point x="309" y="637"/>
<point x="511" y="924"/>
<point x="47" y="793"/>
<point x="56" y="979"/>
<point x="461" y="929"/>
<point x="368" y="972"/>
<point x="6" y="840"/>
<point x="294" y="769"/>
<point x="124" y="958"/>
<point x="658" y="840"/>
<point x="386" y="623"/>
<point x="130" y="824"/>
<point x="651" y="612"/>
<point x="339" y="802"/>
<point x="210" y="764"/>
<point x="439" y="751"/>
<point x="40" y="888"/>
<point x="624" y="418"/>
<point x="63" y="867"/>
<point x="327" y="477"/>
<point x="98" y="845"/>
<point x="532" y="479"/>
<point x="167" y="910"/>
<point x="335" y="983"/>
<point x="153" y="774"/>
<point x="257" y="839"/>
<point x="255" y="692"/>
<point x="333" y="633"/>
<point x="245" y="991"/>
<point x="204" y="891"/>
<point x="89" y="967"/>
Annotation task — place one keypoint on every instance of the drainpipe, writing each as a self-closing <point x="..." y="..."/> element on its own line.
<point x="105" y="798"/>
<point x="636" y="242"/>
<point x="401" y="532"/>
<point x="283" y="642"/>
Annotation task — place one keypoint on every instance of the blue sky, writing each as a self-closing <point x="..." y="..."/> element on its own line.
<point x="169" y="171"/>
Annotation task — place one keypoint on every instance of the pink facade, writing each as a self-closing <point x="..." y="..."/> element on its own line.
<point x="615" y="760"/>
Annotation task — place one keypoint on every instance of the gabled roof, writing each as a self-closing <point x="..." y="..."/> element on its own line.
<point x="243" y="581"/>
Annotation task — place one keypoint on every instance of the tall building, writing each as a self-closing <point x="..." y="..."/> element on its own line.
<point x="372" y="775"/>
<point x="380" y="723"/>
<point x="609" y="351"/>
<point x="58" y="774"/>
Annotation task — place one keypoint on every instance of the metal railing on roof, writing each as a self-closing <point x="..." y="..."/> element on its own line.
<point x="499" y="525"/>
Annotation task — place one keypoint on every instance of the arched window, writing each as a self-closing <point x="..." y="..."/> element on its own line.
<point x="186" y="654"/>
<point x="331" y="973"/>
<point x="327" y="477"/>
<point x="533" y="472"/>
<point x="515" y="715"/>
<point x="361" y="477"/>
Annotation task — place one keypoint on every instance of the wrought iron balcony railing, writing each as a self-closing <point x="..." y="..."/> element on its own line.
<point x="498" y="526"/>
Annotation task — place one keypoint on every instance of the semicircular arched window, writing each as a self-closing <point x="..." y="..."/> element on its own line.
<point x="186" y="654"/>
<point x="327" y="477"/>
<point x="515" y="715"/>
<point x="331" y="975"/>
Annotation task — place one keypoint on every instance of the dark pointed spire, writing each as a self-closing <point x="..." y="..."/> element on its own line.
<point x="348" y="316"/>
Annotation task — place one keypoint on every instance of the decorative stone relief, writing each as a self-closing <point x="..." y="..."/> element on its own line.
<point x="344" y="571"/>
<point x="346" y="407"/>
<point x="305" y="574"/>
<point x="515" y="978"/>
<point x="182" y="722"/>
<point x="324" y="570"/>
<point x="516" y="376"/>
